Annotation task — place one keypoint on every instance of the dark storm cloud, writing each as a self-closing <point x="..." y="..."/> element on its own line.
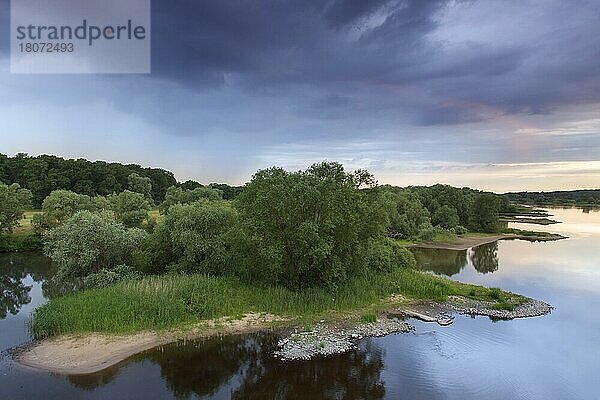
<point x="415" y="60"/>
<point x="378" y="45"/>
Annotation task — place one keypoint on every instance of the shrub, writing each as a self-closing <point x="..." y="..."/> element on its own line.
<point x="107" y="277"/>
<point x="130" y="208"/>
<point x="495" y="293"/>
<point x="196" y="237"/>
<point x="385" y="255"/>
<point x="87" y="242"/>
<point x="61" y="205"/>
<point x="178" y="195"/>
<point x="460" y="230"/>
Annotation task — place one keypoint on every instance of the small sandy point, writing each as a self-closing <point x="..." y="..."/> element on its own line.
<point x="85" y="354"/>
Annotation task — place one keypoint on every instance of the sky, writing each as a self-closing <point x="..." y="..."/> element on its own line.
<point x="496" y="95"/>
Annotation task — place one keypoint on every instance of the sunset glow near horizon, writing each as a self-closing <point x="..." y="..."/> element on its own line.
<point x="501" y="96"/>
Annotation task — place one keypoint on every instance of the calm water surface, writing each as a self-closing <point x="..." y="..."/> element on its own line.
<point x="551" y="357"/>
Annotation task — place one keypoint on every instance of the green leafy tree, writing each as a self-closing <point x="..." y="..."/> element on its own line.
<point x="178" y="195"/>
<point x="140" y="184"/>
<point x="44" y="174"/>
<point x="446" y="217"/>
<point x="89" y="242"/>
<point x="407" y="215"/>
<point x="200" y="236"/>
<point x="60" y="205"/>
<point x="130" y="208"/>
<point x="312" y="227"/>
<point x="486" y="217"/>
<point x="13" y="202"/>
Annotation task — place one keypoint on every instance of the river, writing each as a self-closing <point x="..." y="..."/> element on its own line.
<point x="551" y="357"/>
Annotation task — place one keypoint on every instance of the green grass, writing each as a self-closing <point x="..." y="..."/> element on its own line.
<point x="523" y="232"/>
<point x="370" y="317"/>
<point x="20" y="241"/>
<point x="25" y="222"/>
<point x="176" y="301"/>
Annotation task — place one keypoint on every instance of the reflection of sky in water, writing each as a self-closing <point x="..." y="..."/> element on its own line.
<point x="13" y="329"/>
<point x="551" y="357"/>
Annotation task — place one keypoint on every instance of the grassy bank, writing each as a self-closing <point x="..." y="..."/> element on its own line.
<point x="176" y="301"/>
<point x="20" y="241"/>
<point x="23" y="238"/>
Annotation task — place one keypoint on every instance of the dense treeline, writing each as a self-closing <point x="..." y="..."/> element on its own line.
<point x="44" y="174"/>
<point x="559" y="198"/>
<point x="318" y="227"/>
<point x="421" y="212"/>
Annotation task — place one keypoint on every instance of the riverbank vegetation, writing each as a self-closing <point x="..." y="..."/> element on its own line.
<point x="176" y="301"/>
<point x="290" y="243"/>
<point x="571" y="198"/>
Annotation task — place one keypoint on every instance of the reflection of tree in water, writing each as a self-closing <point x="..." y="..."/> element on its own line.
<point x="202" y="368"/>
<point x="485" y="257"/>
<point x="13" y="293"/>
<point x="353" y="375"/>
<point x="441" y="261"/>
<point x="14" y="268"/>
<point x="245" y="366"/>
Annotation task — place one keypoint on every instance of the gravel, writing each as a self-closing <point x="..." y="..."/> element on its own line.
<point x="532" y="308"/>
<point x="325" y="340"/>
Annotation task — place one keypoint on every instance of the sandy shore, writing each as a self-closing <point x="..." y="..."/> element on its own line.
<point x="85" y="354"/>
<point x="466" y="242"/>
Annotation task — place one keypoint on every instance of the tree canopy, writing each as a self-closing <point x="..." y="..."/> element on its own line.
<point x="44" y="174"/>
<point x="13" y="202"/>
<point x="312" y="227"/>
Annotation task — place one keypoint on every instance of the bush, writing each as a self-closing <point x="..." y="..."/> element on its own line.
<point x="178" y="195"/>
<point x="107" y="277"/>
<point x="87" y="243"/>
<point x="130" y="208"/>
<point x="446" y="217"/>
<point x="459" y="230"/>
<point x="386" y="255"/>
<point x="495" y="293"/>
<point x="196" y="237"/>
<point x="61" y="205"/>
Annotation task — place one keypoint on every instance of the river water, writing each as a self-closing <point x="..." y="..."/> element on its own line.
<point x="551" y="357"/>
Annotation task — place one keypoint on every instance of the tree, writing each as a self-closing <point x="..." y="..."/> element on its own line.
<point x="178" y="195"/>
<point x="407" y="215"/>
<point x="311" y="227"/>
<point x="44" y="174"/>
<point x="486" y="216"/>
<point x="60" y="205"/>
<point x="13" y="203"/>
<point x="140" y="184"/>
<point x="87" y="243"/>
<point x="446" y="217"/>
<point x="200" y="236"/>
<point x="130" y="209"/>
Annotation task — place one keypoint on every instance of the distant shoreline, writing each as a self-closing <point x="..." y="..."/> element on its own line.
<point x="466" y="242"/>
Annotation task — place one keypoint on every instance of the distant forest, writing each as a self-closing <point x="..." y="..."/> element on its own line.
<point x="44" y="174"/>
<point x="590" y="198"/>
